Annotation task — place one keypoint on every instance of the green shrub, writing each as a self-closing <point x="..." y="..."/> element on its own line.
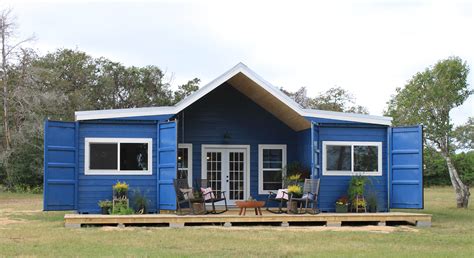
<point x="121" y="208"/>
<point x="356" y="187"/>
<point x="464" y="163"/>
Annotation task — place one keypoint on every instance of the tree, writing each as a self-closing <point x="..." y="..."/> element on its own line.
<point x="335" y="99"/>
<point x="7" y="33"/>
<point x="300" y="96"/>
<point x="186" y="89"/>
<point x="427" y="99"/>
<point x="464" y="135"/>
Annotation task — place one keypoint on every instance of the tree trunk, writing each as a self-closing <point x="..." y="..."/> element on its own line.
<point x="5" y="85"/>
<point x="462" y="190"/>
<point x="5" y="116"/>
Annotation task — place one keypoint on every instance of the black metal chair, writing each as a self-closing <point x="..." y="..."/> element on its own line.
<point x="188" y="198"/>
<point x="310" y="196"/>
<point x="213" y="197"/>
<point x="272" y="198"/>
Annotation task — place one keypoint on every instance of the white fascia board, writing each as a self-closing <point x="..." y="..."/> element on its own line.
<point x="126" y="112"/>
<point x="360" y="118"/>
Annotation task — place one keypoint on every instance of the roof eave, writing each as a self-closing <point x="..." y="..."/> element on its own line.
<point x="352" y="117"/>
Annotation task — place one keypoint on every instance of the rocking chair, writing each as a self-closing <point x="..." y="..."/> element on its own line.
<point x="212" y="197"/>
<point x="309" y="198"/>
<point x="185" y="195"/>
<point x="281" y="197"/>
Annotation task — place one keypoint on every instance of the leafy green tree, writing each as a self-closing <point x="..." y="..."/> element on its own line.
<point x="464" y="163"/>
<point x="334" y="99"/>
<point x="57" y="84"/>
<point x="435" y="170"/>
<point x="464" y="135"/>
<point x="186" y="89"/>
<point x="427" y="99"/>
<point x="337" y="99"/>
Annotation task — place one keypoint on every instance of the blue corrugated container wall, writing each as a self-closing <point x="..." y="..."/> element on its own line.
<point x="333" y="187"/>
<point x="92" y="188"/>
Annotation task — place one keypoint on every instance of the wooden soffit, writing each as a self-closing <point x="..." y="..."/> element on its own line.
<point x="269" y="102"/>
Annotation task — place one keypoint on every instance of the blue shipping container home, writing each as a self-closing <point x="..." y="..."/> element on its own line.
<point x="239" y="130"/>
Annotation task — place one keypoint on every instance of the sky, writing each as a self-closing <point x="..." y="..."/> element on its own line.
<point x="367" y="47"/>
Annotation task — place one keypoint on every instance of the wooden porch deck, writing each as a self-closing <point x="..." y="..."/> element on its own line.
<point x="233" y="218"/>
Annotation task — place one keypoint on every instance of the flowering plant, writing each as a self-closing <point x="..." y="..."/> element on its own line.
<point x="359" y="203"/>
<point x="121" y="187"/>
<point x="295" y="190"/>
<point x="342" y="201"/>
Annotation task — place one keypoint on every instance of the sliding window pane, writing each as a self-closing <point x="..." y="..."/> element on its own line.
<point x="338" y="158"/>
<point x="103" y="156"/>
<point x="134" y="156"/>
<point x="366" y="158"/>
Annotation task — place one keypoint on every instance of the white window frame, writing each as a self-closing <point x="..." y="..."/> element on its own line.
<point x="262" y="147"/>
<point x="188" y="146"/>
<point x="352" y="172"/>
<point x="118" y="141"/>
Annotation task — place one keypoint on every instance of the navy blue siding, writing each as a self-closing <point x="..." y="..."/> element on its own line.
<point x="227" y="111"/>
<point x="304" y="147"/>
<point x="92" y="188"/>
<point x="333" y="187"/>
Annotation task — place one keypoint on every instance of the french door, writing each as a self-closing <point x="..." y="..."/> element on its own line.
<point x="226" y="169"/>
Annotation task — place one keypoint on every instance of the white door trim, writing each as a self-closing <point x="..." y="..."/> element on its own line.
<point x="205" y="147"/>
<point x="188" y="146"/>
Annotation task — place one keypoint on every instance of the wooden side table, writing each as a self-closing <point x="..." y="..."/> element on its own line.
<point x="243" y="205"/>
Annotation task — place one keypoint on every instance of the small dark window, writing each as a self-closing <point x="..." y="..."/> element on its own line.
<point x="272" y="169"/>
<point x="272" y="158"/>
<point x="183" y="158"/>
<point x="103" y="156"/>
<point x="272" y="179"/>
<point x="133" y="156"/>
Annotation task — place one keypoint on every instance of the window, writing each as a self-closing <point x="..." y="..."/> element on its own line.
<point x="271" y="163"/>
<point x="118" y="156"/>
<point x="185" y="162"/>
<point x="352" y="158"/>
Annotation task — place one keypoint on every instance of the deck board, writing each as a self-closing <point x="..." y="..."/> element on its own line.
<point x="76" y="220"/>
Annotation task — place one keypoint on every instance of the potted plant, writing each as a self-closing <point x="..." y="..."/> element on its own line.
<point x="356" y="189"/>
<point x="294" y="179"/>
<point x="105" y="206"/>
<point x="342" y="205"/>
<point x="296" y="173"/>
<point x="359" y="204"/>
<point x="121" y="208"/>
<point x="294" y="191"/>
<point x="120" y="190"/>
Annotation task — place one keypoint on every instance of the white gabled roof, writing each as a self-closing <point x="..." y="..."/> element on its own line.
<point x="239" y="68"/>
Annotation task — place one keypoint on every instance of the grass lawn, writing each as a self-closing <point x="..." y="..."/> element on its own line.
<point x="26" y="231"/>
